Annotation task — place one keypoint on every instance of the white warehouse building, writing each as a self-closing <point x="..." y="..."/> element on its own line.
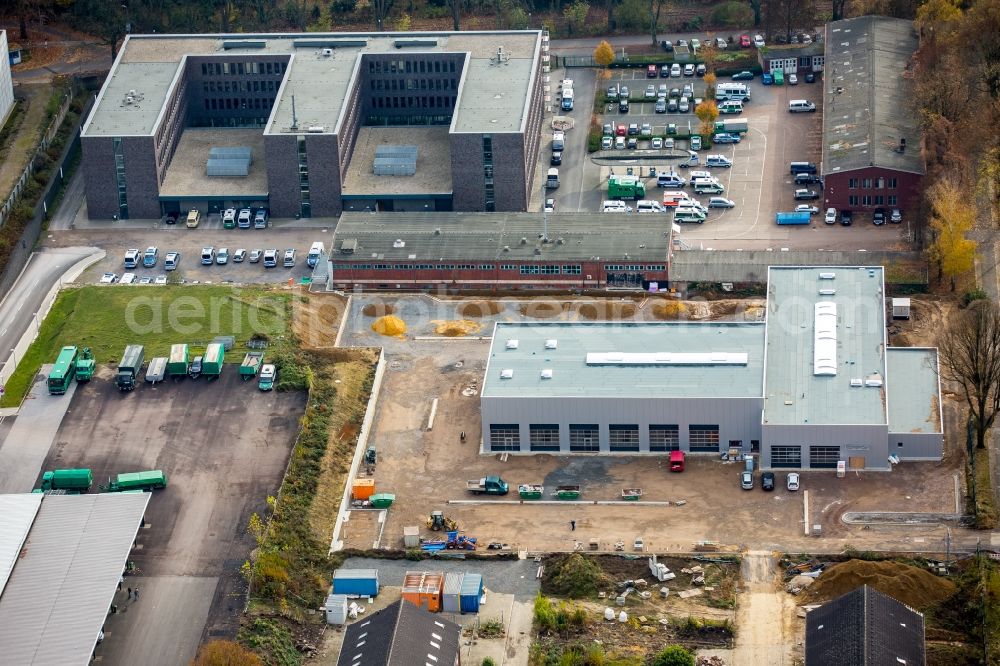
<point x="813" y="385"/>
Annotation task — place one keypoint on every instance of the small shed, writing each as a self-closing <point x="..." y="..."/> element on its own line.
<point x="411" y="536"/>
<point x="336" y="609"/>
<point x="423" y="589"/>
<point x="472" y="592"/>
<point x="900" y="308"/>
<point x="356" y="582"/>
<point x="452" y="591"/>
<point x="362" y="489"/>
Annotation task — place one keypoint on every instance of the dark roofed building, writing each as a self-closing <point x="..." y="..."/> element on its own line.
<point x="793" y="58"/>
<point x="871" y="133"/>
<point x="401" y="635"/>
<point x="865" y="628"/>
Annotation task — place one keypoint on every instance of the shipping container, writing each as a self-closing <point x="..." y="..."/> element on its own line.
<point x="211" y="362"/>
<point x="411" y="536"/>
<point x="336" y="609"/>
<point x="423" y="589"/>
<point x="452" y="591"/>
<point x="178" y="361"/>
<point x="356" y="582"/>
<point x="472" y="592"/>
<point x="156" y="370"/>
<point x="362" y="489"/>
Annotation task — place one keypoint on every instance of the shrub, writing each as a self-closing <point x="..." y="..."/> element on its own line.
<point x="225" y="653"/>
<point x="732" y="15"/>
<point x="576" y="577"/>
<point x="976" y="294"/>
<point x="673" y="655"/>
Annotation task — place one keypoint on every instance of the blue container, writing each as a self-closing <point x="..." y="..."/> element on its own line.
<point x="472" y="590"/>
<point x="356" y="582"/>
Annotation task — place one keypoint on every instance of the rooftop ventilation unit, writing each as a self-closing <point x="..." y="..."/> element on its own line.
<point x="551" y="344"/>
<point x="316" y="129"/>
<point x="547" y="373"/>
<point x="398" y="243"/>
<point x="857" y="382"/>
<point x="507" y="373"/>
<point x="327" y="52"/>
<point x="827" y="276"/>
<point x="667" y="358"/>
<point x="825" y="338"/>
<point x="513" y="343"/>
<point x="873" y="380"/>
<point x="349" y="246"/>
<point x="827" y="292"/>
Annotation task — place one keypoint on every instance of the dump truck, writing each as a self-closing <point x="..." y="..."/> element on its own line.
<point x="85" y="365"/>
<point x="268" y="373"/>
<point x="626" y="187"/>
<point x="71" y="480"/>
<point x="251" y="364"/>
<point x="129" y="368"/>
<point x="792" y="218"/>
<point x="177" y="362"/>
<point x="487" y="485"/>
<point x="136" y="481"/>
<point x="211" y="363"/>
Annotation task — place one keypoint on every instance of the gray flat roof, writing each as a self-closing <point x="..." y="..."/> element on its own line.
<point x="751" y="265"/>
<point x="572" y="376"/>
<point x="914" y="391"/>
<point x="186" y="172"/>
<point x="17" y="512"/>
<point x="494" y="96"/>
<point x="57" y="598"/>
<point x="477" y="236"/>
<point x="433" y="162"/>
<point x="868" y="106"/>
<point x="793" y="394"/>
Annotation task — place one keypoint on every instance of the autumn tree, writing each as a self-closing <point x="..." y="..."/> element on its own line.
<point x="707" y="112"/>
<point x="970" y="357"/>
<point x="225" y="653"/>
<point x="952" y="217"/>
<point x="604" y="55"/>
<point x="710" y="85"/>
<point x="576" y="16"/>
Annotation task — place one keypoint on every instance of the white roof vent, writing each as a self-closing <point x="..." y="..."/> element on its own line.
<point x="857" y="382"/>
<point x="513" y="343"/>
<point x="873" y="380"/>
<point x="316" y="129"/>
<point x="827" y="292"/>
<point x="398" y="243"/>
<point x="551" y="344"/>
<point x="507" y="373"/>
<point x="827" y="276"/>
<point x="825" y="338"/>
<point x="547" y="373"/>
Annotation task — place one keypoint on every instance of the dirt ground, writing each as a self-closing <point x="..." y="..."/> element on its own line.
<point x="317" y="319"/>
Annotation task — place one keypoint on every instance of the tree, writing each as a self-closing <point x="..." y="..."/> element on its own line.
<point x="951" y="218"/>
<point x="970" y="357"/>
<point x="707" y="112"/>
<point x="225" y="653"/>
<point x="381" y="9"/>
<point x="456" y="13"/>
<point x="604" y="55"/>
<point x="404" y="23"/>
<point x="757" y="6"/>
<point x="632" y="14"/>
<point x="673" y="655"/>
<point x="576" y="16"/>
<point x="655" y="8"/>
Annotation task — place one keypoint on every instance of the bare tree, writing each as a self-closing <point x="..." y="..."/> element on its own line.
<point x="381" y="9"/>
<point x="655" y="8"/>
<point x="456" y="13"/>
<point x="970" y="357"/>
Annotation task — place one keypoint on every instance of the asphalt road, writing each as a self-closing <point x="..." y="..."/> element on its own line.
<point x="44" y="269"/>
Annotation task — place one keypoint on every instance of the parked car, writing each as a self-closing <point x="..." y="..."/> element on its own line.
<point x="746" y="480"/>
<point x="700" y="69"/>
<point x="684" y="105"/>
<point x="656" y="143"/>
<point x="550" y="205"/>
<point x="146" y="280"/>
<point x="809" y="78"/>
<point x="222" y="256"/>
<point x="606" y="142"/>
<point x="651" y="72"/>
<point x="245" y="219"/>
<point x="623" y="92"/>
<point x="846" y="217"/>
<point x="150" y="257"/>
<point x="633" y="129"/>
<point x="896" y="217"/>
<point x="721" y="202"/>
<point x="646" y="130"/>
<point x="171" y="260"/>
<point x="650" y="91"/>
<point x="745" y="42"/>
<point x="619" y="143"/>
<point x="673" y="106"/>
<point x="613" y="92"/>
<point x="260" y="219"/>
<point x="665" y="72"/>
<point x="767" y="78"/>
<point x="633" y="143"/>
<point x="696" y="142"/>
<point x="620" y="130"/>
<point x="745" y="75"/>
<point x="831" y="216"/>
<point x="255" y="255"/>
<point x="661" y="106"/>
<point x="767" y="481"/>
<point x="667" y="45"/>
<point x="721" y="44"/>
<point x="758" y="41"/>
<point x="270" y="258"/>
<point x="609" y="129"/>
<point x="229" y="218"/>
<point x="675" y="70"/>
<point x="668" y="143"/>
<point x="807" y="179"/>
<point x="556" y="158"/>
<point x="239" y="256"/>
<point x="671" y="128"/>
<point x="109" y="278"/>
<point x="726" y="138"/>
<point x="792" y="80"/>
<point x="160" y="279"/>
<point x="689" y="70"/>
<point x="207" y="255"/>
<point x="806" y="194"/>
<point x="879" y="216"/>
<point x="792" y="482"/>
<point x="806" y="208"/>
<point x="695" y="44"/>
<point x="127" y="278"/>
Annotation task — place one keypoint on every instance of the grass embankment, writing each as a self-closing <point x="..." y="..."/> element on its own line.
<point x="106" y="319"/>
<point x="982" y="503"/>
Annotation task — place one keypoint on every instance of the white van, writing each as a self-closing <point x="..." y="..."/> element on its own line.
<point x="193" y="218"/>
<point x="718" y="161"/>
<point x="708" y="187"/>
<point x="612" y="206"/>
<point x="800" y="106"/>
<point x="648" y="206"/>
<point x="289" y="258"/>
<point x="317" y="251"/>
<point x="552" y="181"/>
<point x="669" y="179"/>
<point x="731" y="106"/>
<point x="732" y="91"/>
<point x="689" y="215"/>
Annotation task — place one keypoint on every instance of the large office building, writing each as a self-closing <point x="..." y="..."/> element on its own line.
<point x="313" y="124"/>
<point x="812" y="386"/>
<point x="871" y="132"/>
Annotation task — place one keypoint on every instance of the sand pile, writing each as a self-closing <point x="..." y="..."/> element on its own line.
<point x="480" y="308"/>
<point x="390" y="326"/>
<point x="378" y="309"/>
<point x="911" y="585"/>
<point x="542" y="309"/>
<point x="607" y="310"/>
<point x="669" y="310"/>
<point x="456" y="328"/>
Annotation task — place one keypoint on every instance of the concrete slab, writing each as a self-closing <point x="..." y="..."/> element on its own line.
<point x="26" y="446"/>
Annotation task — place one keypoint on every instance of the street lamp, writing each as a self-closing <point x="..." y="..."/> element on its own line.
<point x="128" y="24"/>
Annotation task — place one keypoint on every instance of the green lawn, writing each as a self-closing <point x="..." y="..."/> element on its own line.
<point x="108" y="318"/>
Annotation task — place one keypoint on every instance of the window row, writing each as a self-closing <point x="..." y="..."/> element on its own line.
<point x="550" y="269"/>
<point x="424" y="101"/>
<point x="242" y="68"/>
<point x="870" y="183"/>
<point x="413" y="84"/>
<point x="410" y="66"/>
<point x="869" y="200"/>
<point x="625" y="267"/>
<point x="585" y="437"/>
<point x="239" y="86"/>
<point x="238" y="103"/>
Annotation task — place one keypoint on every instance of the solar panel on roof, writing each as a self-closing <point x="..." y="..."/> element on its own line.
<point x="230" y="152"/>
<point x="227" y="167"/>
<point x="395" y="161"/>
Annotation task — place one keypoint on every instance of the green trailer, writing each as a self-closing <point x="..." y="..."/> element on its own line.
<point x="211" y="362"/>
<point x="626" y="187"/>
<point x="136" y="481"/>
<point x="73" y="480"/>
<point x="63" y="371"/>
<point x="251" y="365"/>
<point x="530" y="491"/>
<point x="177" y="362"/>
<point x="85" y="365"/>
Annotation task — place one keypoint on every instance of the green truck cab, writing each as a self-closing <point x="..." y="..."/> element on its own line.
<point x="129" y="368"/>
<point x="268" y="373"/>
<point x="488" y="485"/>
<point x="85" y="365"/>
<point x="71" y="480"/>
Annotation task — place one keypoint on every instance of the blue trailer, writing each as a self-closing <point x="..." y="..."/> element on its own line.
<point x="792" y="218"/>
<point x="356" y="582"/>
<point x="472" y="590"/>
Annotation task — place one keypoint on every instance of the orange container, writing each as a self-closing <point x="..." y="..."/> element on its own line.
<point x="363" y="489"/>
<point x="423" y="589"/>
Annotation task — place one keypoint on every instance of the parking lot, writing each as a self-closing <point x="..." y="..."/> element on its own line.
<point x="224" y="446"/>
<point x="759" y="182"/>
<point x="427" y="469"/>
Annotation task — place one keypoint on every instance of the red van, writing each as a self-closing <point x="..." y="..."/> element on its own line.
<point x="676" y="461"/>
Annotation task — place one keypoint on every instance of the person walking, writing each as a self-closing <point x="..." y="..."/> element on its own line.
<point x="130" y="593"/>
<point x="135" y="592"/>
<point x="572" y="525"/>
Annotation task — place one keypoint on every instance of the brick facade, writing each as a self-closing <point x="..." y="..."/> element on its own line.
<point x="875" y="187"/>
